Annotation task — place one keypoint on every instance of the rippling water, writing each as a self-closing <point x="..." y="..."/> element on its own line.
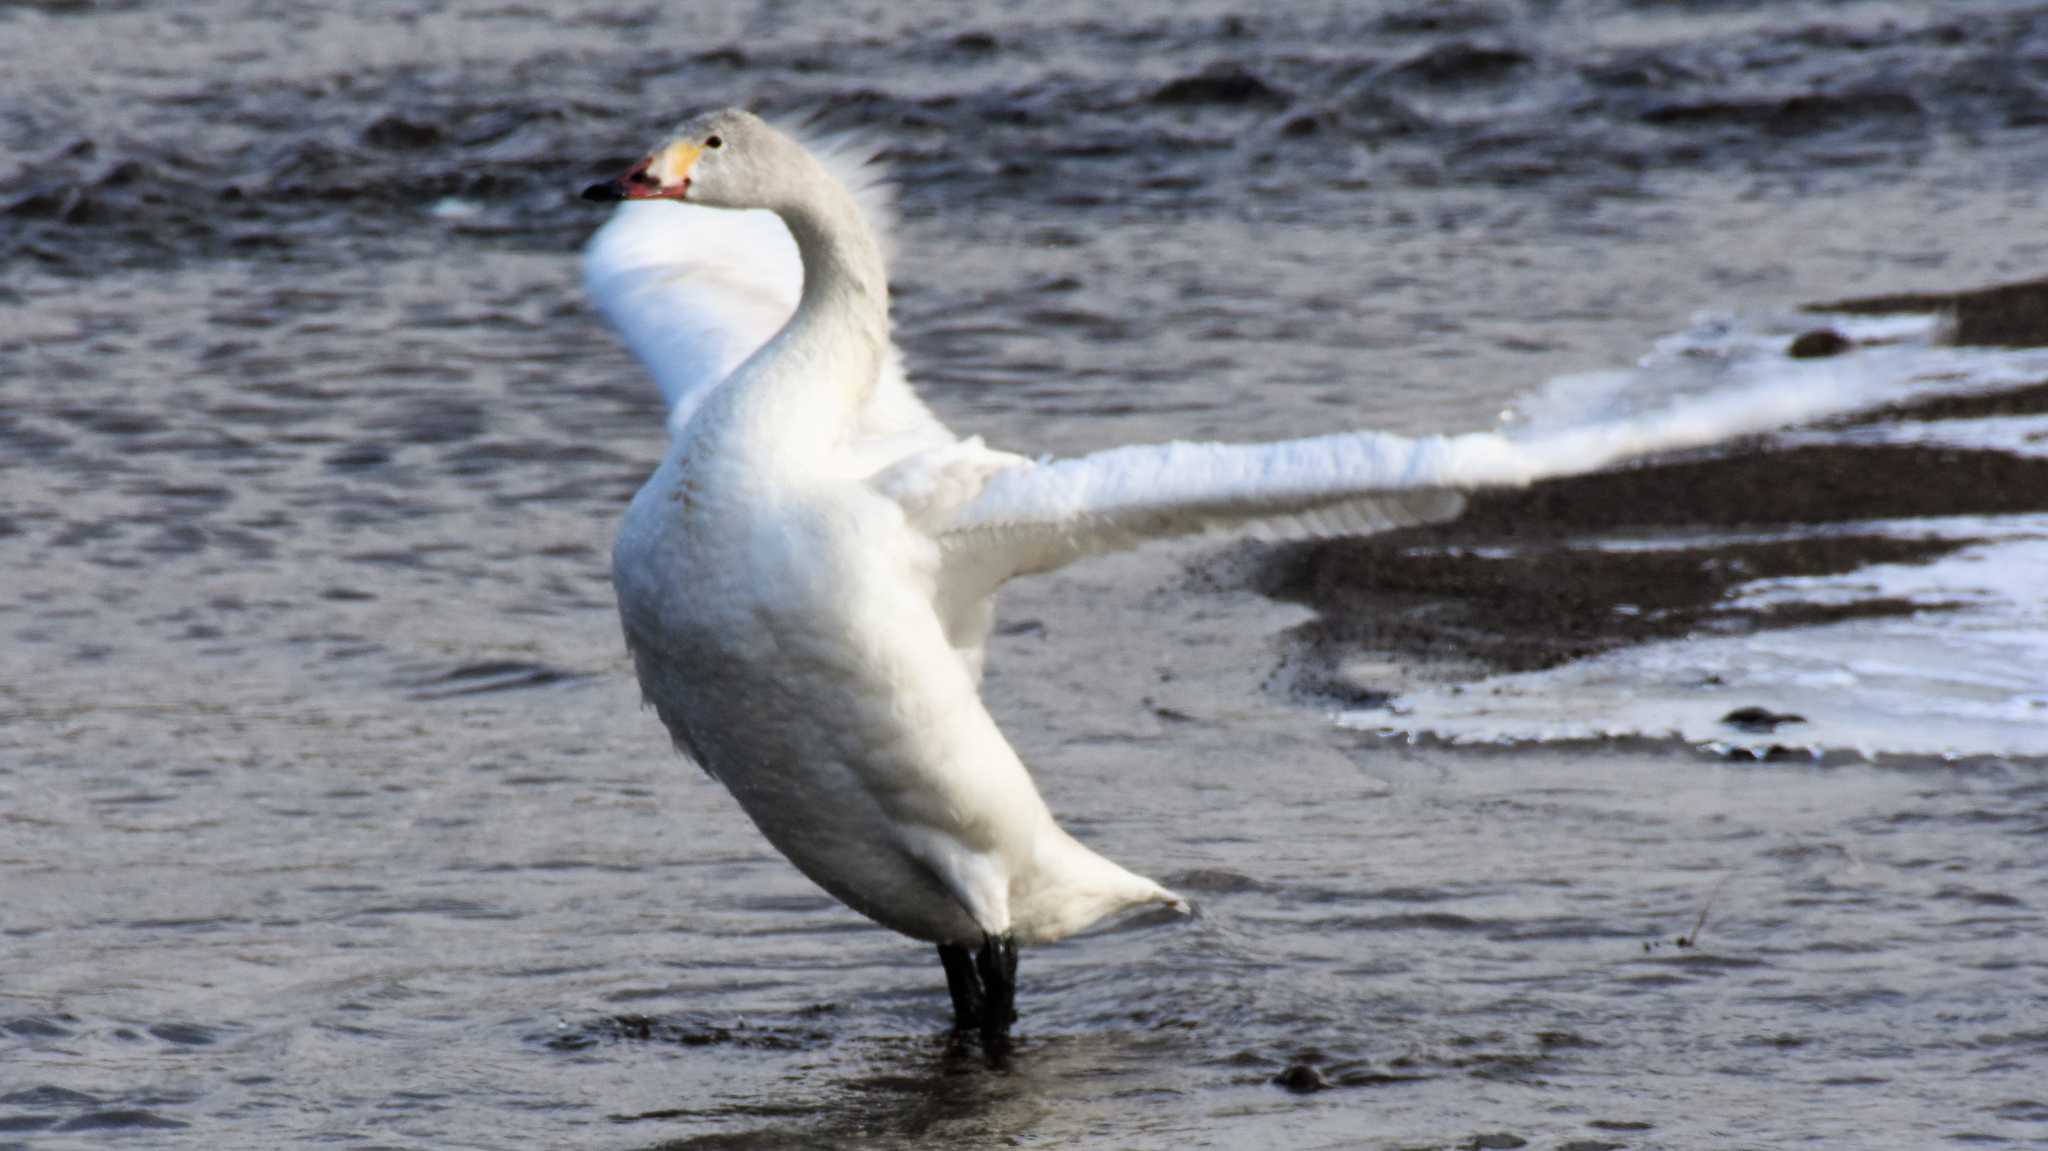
<point x="327" y="811"/>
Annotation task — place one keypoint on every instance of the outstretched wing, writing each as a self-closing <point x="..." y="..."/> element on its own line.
<point x="1033" y="517"/>
<point x="693" y="290"/>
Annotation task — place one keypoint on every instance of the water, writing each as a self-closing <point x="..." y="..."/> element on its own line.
<point x="329" y="814"/>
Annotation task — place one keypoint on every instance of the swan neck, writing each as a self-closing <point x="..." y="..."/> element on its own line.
<point x="806" y="393"/>
<point x="843" y="268"/>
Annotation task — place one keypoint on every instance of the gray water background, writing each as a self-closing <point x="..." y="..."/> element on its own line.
<point x="327" y="812"/>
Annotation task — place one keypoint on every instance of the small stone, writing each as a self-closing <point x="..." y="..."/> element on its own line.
<point x="1219" y="84"/>
<point x="1818" y="344"/>
<point x="1302" y="125"/>
<point x="1302" y="1079"/>
<point x="1759" y="719"/>
<point x="400" y="134"/>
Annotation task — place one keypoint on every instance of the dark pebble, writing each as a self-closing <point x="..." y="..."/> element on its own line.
<point x="1302" y="1079"/>
<point x="399" y="133"/>
<point x="2003" y="316"/>
<point x="1219" y="84"/>
<point x="1775" y="753"/>
<point x="359" y="456"/>
<point x="1461" y="63"/>
<point x="1758" y="719"/>
<point x="1818" y="344"/>
<point x="1306" y="124"/>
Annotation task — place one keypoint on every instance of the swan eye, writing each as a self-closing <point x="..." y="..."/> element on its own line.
<point x="713" y="142"/>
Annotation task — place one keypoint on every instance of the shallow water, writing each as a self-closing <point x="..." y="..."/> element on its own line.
<point x="328" y="810"/>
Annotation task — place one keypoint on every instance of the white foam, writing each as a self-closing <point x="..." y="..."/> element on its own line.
<point x="454" y="208"/>
<point x="1728" y="366"/>
<point x="1966" y="674"/>
<point x="2015" y="435"/>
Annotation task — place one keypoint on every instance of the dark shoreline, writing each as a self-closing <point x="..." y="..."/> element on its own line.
<point x="1515" y="584"/>
<point x="2002" y="316"/>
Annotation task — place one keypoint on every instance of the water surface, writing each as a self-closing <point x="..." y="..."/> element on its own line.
<point x="329" y="812"/>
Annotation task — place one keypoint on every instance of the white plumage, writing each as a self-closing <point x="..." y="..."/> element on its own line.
<point x="806" y="582"/>
<point x="792" y="612"/>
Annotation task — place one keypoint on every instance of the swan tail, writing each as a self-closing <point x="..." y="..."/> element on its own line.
<point x="1071" y="888"/>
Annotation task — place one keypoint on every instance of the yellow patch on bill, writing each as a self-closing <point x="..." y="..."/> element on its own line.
<point x="673" y="163"/>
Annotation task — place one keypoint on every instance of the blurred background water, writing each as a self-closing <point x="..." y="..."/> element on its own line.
<point x="327" y="811"/>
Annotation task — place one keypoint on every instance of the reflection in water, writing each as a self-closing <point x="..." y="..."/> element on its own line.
<point x="949" y="1089"/>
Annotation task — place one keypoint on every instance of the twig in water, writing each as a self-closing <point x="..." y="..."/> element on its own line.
<point x="1692" y="938"/>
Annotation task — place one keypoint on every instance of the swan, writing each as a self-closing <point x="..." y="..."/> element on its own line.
<point x="807" y="581"/>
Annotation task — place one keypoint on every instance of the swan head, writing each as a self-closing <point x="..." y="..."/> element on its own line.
<point x="725" y="159"/>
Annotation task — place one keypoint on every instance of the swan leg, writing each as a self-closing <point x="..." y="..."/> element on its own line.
<point x="997" y="965"/>
<point x="965" y="985"/>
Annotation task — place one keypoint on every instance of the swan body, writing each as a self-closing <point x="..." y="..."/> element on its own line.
<point x="783" y="593"/>
<point x="806" y="582"/>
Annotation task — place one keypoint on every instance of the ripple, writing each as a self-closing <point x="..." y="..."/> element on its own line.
<point x="124" y="1119"/>
<point x="491" y="676"/>
<point x="687" y="1033"/>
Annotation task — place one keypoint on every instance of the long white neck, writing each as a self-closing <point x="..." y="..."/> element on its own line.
<point x="803" y="392"/>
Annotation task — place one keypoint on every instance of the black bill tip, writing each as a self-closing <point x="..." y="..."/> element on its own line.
<point x="605" y="193"/>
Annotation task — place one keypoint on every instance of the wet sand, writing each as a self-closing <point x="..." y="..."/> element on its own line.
<point x="2001" y="316"/>
<point x="1521" y="581"/>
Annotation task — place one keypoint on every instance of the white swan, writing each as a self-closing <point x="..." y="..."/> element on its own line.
<point x="807" y="580"/>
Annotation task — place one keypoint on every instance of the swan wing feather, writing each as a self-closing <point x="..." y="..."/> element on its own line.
<point x="1037" y="517"/>
<point x="693" y="291"/>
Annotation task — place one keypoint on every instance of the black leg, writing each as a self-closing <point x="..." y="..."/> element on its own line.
<point x="997" y="965"/>
<point x="964" y="984"/>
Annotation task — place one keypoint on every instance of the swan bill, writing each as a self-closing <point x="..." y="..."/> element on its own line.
<point x="663" y="175"/>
